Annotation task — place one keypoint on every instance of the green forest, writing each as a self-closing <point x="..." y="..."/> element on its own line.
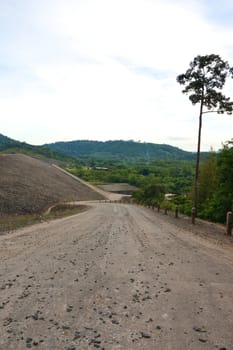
<point x="154" y="180"/>
<point x="216" y="185"/>
<point x="119" y="149"/>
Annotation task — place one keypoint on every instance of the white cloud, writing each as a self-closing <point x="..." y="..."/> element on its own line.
<point x="106" y="69"/>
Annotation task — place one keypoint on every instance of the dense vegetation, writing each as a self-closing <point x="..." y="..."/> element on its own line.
<point x="121" y="150"/>
<point x="203" y="82"/>
<point x="216" y="185"/>
<point x="215" y="191"/>
<point x="153" y="180"/>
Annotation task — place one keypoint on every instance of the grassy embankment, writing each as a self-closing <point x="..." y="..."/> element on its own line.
<point x="13" y="222"/>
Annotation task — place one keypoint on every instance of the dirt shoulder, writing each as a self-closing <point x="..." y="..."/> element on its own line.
<point x="203" y="229"/>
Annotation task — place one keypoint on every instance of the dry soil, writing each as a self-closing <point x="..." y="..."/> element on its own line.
<point x="28" y="185"/>
<point x="115" y="277"/>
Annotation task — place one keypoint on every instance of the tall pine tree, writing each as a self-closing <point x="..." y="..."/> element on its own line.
<point x="203" y="82"/>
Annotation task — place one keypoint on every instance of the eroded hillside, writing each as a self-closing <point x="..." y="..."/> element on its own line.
<point x="28" y="185"/>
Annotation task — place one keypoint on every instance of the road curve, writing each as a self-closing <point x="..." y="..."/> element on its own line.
<point x="114" y="277"/>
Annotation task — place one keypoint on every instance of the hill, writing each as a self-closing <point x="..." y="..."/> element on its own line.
<point x="8" y="145"/>
<point x="28" y="185"/>
<point x="120" y="150"/>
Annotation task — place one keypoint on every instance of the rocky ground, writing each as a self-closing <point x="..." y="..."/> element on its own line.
<point x="115" y="277"/>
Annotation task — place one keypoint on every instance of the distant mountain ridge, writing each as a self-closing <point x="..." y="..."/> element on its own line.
<point x="117" y="150"/>
<point x="8" y="145"/>
<point x="6" y="142"/>
<point x="120" y="150"/>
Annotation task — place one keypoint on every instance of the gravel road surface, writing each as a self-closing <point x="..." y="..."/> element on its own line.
<point x="114" y="277"/>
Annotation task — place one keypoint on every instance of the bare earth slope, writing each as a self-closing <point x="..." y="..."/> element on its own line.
<point x="114" y="277"/>
<point x="28" y="185"/>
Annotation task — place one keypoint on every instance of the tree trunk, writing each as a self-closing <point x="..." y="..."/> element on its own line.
<point x="195" y="201"/>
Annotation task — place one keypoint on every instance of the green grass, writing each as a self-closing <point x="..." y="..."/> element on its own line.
<point x="13" y="222"/>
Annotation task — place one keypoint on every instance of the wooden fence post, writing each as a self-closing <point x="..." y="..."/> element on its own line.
<point x="176" y="212"/>
<point x="193" y="215"/>
<point x="229" y="223"/>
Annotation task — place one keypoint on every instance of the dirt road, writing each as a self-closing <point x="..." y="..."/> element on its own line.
<point x="114" y="277"/>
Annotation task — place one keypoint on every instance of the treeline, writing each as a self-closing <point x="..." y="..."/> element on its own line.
<point x="120" y="150"/>
<point x="216" y="185"/>
<point x="163" y="176"/>
<point x="215" y="189"/>
<point x="154" y="180"/>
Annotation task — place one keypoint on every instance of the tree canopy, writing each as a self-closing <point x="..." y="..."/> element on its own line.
<point x="203" y="82"/>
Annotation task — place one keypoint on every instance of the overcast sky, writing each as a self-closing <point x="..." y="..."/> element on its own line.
<point x="106" y="69"/>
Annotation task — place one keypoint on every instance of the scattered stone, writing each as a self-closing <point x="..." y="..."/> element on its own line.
<point x="202" y="340"/>
<point x="70" y="347"/>
<point x="145" y="335"/>
<point x="36" y="315"/>
<point x="150" y="320"/>
<point x="29" y="340"/>
<point x="65" y="327"/>
<point x="199" y="329"/>
<point x="69" y="308"/>
<point x="7" y="321"/>
<point x="115" y="321"/>
<point x="77" y="335"/>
